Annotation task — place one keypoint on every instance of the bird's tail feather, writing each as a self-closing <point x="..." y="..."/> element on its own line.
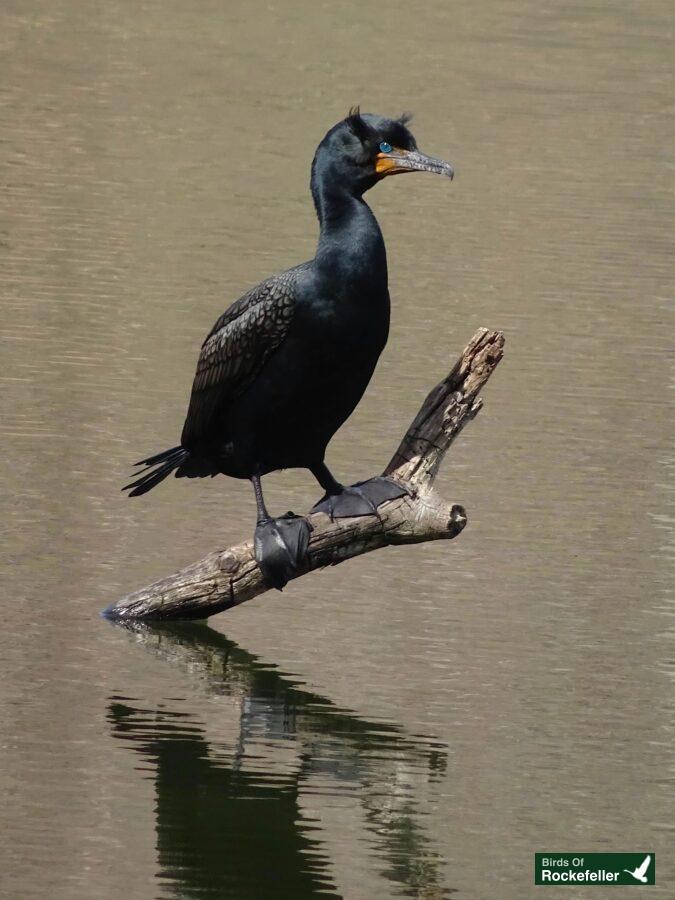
<point x="156" y="469"/>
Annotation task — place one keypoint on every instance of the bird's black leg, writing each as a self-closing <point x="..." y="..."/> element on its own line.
<point x="325" y="478"/>
<point x="360" y="499"/>
<point x="280" y="544"/>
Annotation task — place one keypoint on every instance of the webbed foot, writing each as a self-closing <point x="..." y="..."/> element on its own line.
<point x="360" y="499"/>
<point x="280" y="547"/>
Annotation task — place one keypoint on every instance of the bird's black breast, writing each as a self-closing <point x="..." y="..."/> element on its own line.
<point x="296" y="394"/>
<point x="315" y="379"/>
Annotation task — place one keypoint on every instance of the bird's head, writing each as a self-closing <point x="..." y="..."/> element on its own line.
<point x="363" y="149"/>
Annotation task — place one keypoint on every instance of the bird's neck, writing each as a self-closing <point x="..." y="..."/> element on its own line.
<point x="350" y="240"/>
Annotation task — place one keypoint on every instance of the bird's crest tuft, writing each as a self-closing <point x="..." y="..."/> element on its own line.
<point x="357" y="124"/>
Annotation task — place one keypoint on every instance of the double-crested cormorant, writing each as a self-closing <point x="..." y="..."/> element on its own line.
<point x="286" y="364"/>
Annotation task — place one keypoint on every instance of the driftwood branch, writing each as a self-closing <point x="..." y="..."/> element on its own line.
<point x="227" y="578"/>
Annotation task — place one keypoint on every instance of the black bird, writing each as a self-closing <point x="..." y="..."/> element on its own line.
<point x="288" y="362"/>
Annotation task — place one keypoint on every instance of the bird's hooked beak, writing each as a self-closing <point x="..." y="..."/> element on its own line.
<point x="398" y="161"/>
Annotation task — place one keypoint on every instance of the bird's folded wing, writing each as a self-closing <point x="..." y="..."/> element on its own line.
<point x="237" y="348"/>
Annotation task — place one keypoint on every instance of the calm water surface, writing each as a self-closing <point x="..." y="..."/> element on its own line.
<point x="420" y="721"/>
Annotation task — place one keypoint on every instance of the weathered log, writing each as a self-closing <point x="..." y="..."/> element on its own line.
<point x="226" y="578"/>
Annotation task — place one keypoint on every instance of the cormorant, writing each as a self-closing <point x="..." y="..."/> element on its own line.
<point x="288" y="362"/>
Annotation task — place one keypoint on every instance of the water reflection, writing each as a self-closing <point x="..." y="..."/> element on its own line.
<point x="230" y="823"/>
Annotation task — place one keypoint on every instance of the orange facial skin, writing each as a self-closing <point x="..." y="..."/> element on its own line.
<point x="386" y="164"/>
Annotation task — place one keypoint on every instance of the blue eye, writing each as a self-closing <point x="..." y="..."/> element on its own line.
<point x="385" y="147"/>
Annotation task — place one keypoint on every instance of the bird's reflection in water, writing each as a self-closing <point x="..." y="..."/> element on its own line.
<point x="229" y="825"/>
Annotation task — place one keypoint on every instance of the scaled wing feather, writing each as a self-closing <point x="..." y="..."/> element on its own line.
<point x="237" y="348"/>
